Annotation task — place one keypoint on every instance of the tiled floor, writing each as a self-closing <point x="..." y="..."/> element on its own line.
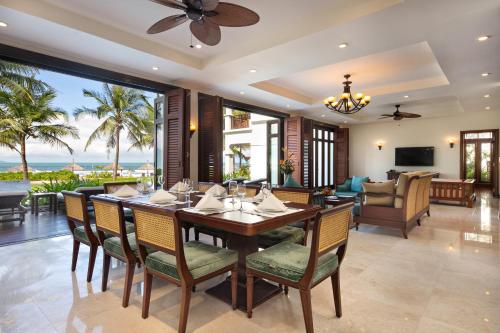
<point x="444" y="278"/>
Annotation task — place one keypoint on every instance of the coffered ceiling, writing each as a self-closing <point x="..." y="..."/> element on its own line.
<point x="426" y="50"/>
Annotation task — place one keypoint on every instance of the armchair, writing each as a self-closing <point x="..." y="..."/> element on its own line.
<point x="352" y="187"/>
<point x="411" y="202"/>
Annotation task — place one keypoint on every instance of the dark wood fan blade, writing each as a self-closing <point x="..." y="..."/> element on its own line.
<point x="409" y="115"/>
<point x="387" y="115"/>
<point x="231" y="15"/>
<point x="209" y="5"/>
<point x="206" y="32"/>
<point x="167" y="23"/>
<point x="171" y="4"/>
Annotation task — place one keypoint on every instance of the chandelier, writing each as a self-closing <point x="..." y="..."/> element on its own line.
<point x="347" y="103"/>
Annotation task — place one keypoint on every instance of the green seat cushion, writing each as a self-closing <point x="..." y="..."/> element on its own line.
<point x="201" y="259"/>
<point x="289" y="261"/>
<point x="283" y="234"/>
<point x="114" y="245"/>
<point x="129" y="216"/>
<point x="357" y="183"/>
<point x="80" y="235"/>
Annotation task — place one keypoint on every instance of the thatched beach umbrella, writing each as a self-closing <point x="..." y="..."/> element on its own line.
<point x="19" y="168"/>
<point x="112" y="166"/>
<point x="73" y="167"/>
<point x="146" y="167"/>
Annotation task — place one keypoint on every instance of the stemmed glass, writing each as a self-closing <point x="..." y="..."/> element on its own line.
<point x="242" y="191"/>
<point x="148" y="185"/>
<point x="161" y="181"/>
<point x="188" y="186"/>
<point x="232" y="189"/>
<point x="140" y="185"/>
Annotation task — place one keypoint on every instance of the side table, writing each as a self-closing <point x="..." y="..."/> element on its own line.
<point x="35" y="202"/>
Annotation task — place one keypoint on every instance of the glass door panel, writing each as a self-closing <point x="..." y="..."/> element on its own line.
<point x="486" y="148"/>
<point x="470" y="160"/>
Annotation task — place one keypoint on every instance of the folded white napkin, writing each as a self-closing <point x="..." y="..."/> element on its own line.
<point x="216" y="190"/>
<point x="272" y="204"/>
<point x="263" y="193"/>
<point x="209" y="202"/>
<point x="126" y="191"/>
<point x="162" y="196"/>
<point x="178" y="187"/>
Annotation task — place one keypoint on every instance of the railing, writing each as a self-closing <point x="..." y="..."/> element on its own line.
<point x="240" y="121"/>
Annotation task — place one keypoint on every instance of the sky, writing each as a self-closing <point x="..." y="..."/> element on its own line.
<point x="69" y="97"/>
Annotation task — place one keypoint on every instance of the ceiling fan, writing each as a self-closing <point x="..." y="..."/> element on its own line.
<point x="398" y="115"/>
<point x="206" y="18"/>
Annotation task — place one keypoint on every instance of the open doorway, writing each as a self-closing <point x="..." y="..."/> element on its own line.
<point x="479" y="158"/>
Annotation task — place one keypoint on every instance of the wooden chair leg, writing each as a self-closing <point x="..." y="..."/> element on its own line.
<point x="286" y="290"/>
<point x="214" y="240"/>
<point x="92" y="256"/>
<point x="418" y="222"/>
<point x="405" y="233"/>
<point x="429" y="212"/>
<point x="148" y="281"/>
<point x="185" y="300"/>
<point x="74" y="259"/>
<point x="224" y="243"/>
<point x="105" y="271"/>
<point x="336" y="293"/>
<point x="186" y="234"/>
<point x="234" y="287"/>
<point x="129" y="279"/>
<point x="357" y="226"/>
<point x="196" y="235"/>
<point x="249" y="295"/>
<point x="305" y="298"/>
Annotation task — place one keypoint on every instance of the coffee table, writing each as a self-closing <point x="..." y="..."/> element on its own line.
<point x="333" y="200"/>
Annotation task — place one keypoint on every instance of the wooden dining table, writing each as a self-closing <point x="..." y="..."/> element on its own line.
<point x="242" y="228"/>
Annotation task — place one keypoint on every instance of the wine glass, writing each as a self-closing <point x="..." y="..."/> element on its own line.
<point x="232" y="189"/>
<point x="242" y="192"/>
<point x="140" y="185"/>
<point x="161" y="181"/>
<point x="148" y="185"/>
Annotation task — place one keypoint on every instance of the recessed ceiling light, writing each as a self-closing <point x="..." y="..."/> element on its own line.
<point x="345" y="121"/>
<point x="485" y="74"/>
<point x="343" y="45"/>
<point x="288" y="105"/>
<point x="155" y="68"/>
<point x="487" y="108"/>
<point x="483" y="38"/>
<point x="323" y="116"/>
<point x="253" y="71"/>
<point x="198" y="46"/>
<point x="406" y="96"/>
<point x="3" y="24"/>
<point x="242" y="93"/>
<point x="487" y="96"/>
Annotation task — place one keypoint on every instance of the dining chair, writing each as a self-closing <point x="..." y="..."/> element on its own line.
<point x="82" y="230"/>
<point x="117" y="239"/>
<point x="112" y="187"/>
<point x="296" y="232"/>
<point x="303" y="268"/>
<point x="184" y="264"/>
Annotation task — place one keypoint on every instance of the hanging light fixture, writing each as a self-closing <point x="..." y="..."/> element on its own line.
<point x="347" y="103"/>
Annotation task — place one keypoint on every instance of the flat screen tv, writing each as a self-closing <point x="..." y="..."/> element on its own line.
<point x="415" y="156"/>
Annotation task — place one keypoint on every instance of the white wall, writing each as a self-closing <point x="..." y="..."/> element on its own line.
<point x="367" y="160"/>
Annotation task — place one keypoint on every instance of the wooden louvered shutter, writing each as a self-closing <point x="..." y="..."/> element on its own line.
<point x="307" y="153"/>
<point x="210" y="143"/>
<point x="341" y="155"/>
<point x="176" y="157"/>
<point x="293" y="144"/>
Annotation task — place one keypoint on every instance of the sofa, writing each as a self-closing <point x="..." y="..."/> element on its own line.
<point x="352" y="187"/>
<point x="396" y="206"/>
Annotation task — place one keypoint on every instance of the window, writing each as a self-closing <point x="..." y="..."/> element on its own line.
<point x="323" y="156"/>
<point x="251" y="145"/>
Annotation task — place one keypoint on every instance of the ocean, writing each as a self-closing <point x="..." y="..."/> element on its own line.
<point x="4" y="166"/>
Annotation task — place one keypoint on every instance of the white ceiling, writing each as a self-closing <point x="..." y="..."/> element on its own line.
<point x="425" y="49"/>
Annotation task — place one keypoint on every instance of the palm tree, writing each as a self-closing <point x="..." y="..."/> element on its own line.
<point x="15" y="78"/>
<point x="121" y="109"/>
<point x="30" y="115"/>
<point x="143" y="137"/>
